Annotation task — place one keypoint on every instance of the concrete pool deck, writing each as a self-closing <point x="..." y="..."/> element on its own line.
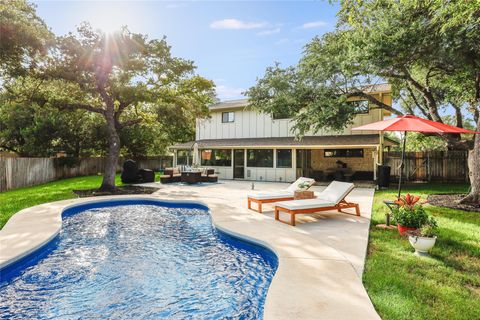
<point x="320" y="261"/>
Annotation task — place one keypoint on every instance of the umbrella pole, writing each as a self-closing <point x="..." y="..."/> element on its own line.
<point x="402" y="164"/>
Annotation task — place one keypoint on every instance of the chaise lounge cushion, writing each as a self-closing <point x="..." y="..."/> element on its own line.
<point x="304" y="204"/>
<point x="336" y="191"/>
<point x="285" y="193"/>
<point x="270" y="195"/>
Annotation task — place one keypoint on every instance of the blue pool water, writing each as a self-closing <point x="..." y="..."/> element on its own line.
<point x="139" y="260"/>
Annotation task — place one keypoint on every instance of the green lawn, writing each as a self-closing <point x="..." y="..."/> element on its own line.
<point x="445" y="286"/>
<point x="15" y="200"/>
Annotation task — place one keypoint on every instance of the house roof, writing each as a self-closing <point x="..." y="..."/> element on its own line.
<point x="242" y="103"/>
<point x="231" y="104"/>
<point x="359" y="140"/>
<point x="377" y="88"/>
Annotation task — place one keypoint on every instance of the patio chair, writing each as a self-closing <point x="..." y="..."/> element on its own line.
<point x="170" y="175"/>
<point x="208" y="175"/>
<point x="332" y="198"/>
<point x="261" y="198"/>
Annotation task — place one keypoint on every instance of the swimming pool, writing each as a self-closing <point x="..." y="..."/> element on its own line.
<point x="139" y="259"/>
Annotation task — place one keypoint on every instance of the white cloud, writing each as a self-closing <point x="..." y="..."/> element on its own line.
<point x="314" y="24"/>
<point x="268" y="32"/>
<point x="236" y="24"/>
<point x="228" y="93"/>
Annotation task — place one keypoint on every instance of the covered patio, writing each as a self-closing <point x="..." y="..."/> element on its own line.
<point x="324" y="158"/>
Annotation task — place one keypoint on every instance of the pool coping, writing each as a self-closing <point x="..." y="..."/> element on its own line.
<point x="312" y="281"/>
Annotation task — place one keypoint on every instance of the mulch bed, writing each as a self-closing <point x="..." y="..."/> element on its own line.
<point x="118" y="191"/>
<point x="451" y="201"/>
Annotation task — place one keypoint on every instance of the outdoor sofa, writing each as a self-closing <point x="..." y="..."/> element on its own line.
<point x="261" y="198"/>
<point x="208" y="175"/>
<point x="170" y="175"/>
<point x="332" y="198"/>
<point x="188" y="175"/>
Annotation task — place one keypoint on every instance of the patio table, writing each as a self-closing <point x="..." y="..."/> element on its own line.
<point x="191" y="177"/>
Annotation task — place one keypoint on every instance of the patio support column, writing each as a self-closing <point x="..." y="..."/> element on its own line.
<point x="232" y="164"/>
<point x="174" y="158"/>
<point x="380" y="151"/>
<point x="376" y="162"/>
<point x="275" y="160"/>
<point x="294" y="163"/>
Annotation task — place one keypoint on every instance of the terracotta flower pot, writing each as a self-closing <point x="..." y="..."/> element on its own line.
<point x="402" y="230"/>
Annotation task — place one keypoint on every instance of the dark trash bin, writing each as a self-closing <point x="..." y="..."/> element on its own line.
<point x="338" y="176"/>
<point x="383" y="176"/>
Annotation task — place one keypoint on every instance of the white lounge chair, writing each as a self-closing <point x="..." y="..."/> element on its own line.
<point x="273" y="196"/>
<point x="332" y="198"/>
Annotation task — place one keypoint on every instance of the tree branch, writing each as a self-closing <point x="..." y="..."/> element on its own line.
<point x="458" y="115"/>
<point x="417" y="103"/>
<point x="427" y="95"/>
<point x="129" y="123"/>
<point x="121" y="108"/>
<point x="80" y="106"/>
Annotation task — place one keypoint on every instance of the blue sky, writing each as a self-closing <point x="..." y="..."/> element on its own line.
<point x="231" y="42"/>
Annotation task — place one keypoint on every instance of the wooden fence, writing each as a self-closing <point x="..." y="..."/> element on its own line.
<point x="24" y="172"/>
<point x="438" y="166"/>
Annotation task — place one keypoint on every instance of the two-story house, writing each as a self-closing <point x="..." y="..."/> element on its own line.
<point x="240" y="143"/>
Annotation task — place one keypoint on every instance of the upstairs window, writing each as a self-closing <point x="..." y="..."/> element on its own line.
<point x="360" y="106"/>
<point x="280" y="115"/>
<point x="343" y="153"/>
<point x="228" y="117"/>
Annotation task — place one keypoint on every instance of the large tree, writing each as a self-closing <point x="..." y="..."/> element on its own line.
<point x="428" y="51"/>
<point x="31" y="130"/>
<point x="124" y="78"/>
<point x="23" y="37"/>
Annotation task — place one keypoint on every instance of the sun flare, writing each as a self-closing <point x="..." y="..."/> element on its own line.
<point x="109" y="22"/>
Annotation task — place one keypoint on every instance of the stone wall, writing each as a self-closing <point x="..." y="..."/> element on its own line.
<point x="319" y="162"/>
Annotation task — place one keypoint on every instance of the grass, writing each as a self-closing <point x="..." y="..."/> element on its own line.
<point x="443" y="286"/>
<point x="15" y="200"/>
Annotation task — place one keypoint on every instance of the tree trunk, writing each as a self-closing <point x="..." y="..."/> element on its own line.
<point x="108" y="183"/>
<point x="474" y="171"/>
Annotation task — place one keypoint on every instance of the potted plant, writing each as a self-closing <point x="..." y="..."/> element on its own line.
<point x="410" y="214"/>
<point x="423" y="239"/>
<point x="302" y="191"/>
<point x="303" y="186"/>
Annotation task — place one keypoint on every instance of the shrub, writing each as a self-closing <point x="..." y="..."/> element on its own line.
<point x="410" y="217"/>
<point x="410" y="212"/>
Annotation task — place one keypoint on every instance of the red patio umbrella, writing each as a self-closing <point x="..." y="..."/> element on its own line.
<point x="410" y="123"/>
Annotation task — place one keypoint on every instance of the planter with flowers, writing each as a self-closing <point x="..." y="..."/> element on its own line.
<point x="423" y="239"/>
<point x="410" y="214"/>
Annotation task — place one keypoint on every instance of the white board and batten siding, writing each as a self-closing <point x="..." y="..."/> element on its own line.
<point x="250" y="124"/>
<point x="224" y="173"/>
<point x="258" y="174"/>
<point x="270" y="174"/>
